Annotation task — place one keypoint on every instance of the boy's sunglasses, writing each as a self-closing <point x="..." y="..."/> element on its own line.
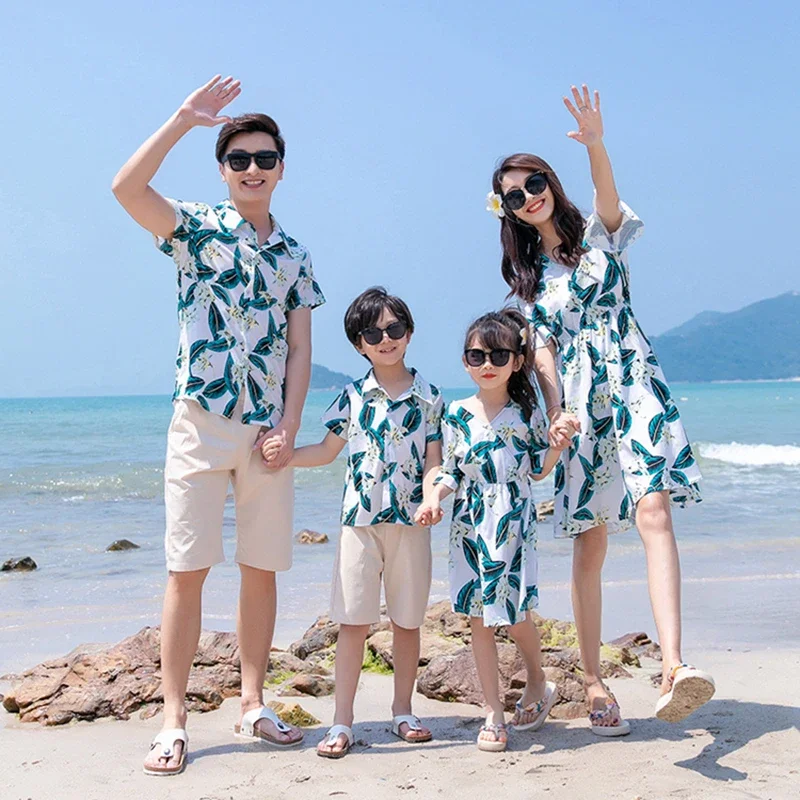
<point x="239" y="161"/>
<point x="397" y="330"/>
<point x="477" y="358"/>
<point x="534" y="185"/>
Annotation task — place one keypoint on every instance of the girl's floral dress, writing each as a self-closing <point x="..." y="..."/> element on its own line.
<point x="632" y="440"/>
<point x="493" y="563"/>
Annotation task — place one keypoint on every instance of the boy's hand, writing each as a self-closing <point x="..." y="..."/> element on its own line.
<point x="202" y="107"/>
<point x="429" y="513"/>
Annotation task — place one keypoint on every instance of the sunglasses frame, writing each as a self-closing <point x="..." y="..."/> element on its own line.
<point x="263" y="154"/>
<point x="520" y="193"/>
<point x="490" y="355"/>
<point x="385" y="330"/>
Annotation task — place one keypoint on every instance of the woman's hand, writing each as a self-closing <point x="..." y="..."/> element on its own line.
<point x="429" y="513"/>
<point x="563" y="427"/>
<point x="589" y="118"/>
<point x="202" y="107"/>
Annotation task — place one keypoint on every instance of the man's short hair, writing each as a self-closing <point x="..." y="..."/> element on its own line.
<point x="249" y="123"/>
<point x="366" y="309"/>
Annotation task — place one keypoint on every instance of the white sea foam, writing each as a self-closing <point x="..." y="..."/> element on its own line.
<point x="752" y="455"/>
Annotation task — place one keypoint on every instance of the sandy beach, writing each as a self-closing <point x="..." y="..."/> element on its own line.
<point x="743" y="744"/>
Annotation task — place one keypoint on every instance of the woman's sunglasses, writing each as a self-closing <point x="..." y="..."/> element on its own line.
<point x="477" y="358"/>
<point x="239" y="160"/>
<point x="534" y="185"/>
<point x="397" y="330"/>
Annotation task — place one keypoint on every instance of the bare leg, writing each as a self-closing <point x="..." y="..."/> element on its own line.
<point x="349" y="659"/>
<point x="255" y="626"/>
<point x="484" y="649"/>
<point x="654" y="522"/>
<point x="180" y="633"/>
<point x="526" y="636"/>
<point x="405" y="653"/>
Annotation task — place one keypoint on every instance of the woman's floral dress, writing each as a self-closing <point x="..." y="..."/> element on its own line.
<point x="493" y="563"/>
<point x="632" y="440"/>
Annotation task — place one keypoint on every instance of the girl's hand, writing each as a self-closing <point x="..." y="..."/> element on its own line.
<point x="589" y="119"/>
<point x="429" y="513"/>
<point x="202" y="107"/>
<point x="563" y="427"/>
<point x="271" y="448"/>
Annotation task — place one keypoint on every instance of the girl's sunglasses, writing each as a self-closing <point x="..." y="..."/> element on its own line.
<point x="397" y="330"/>
<point x="534" y="185"/>
<point x="239" y="160"/>
<point x="477" y="358"/>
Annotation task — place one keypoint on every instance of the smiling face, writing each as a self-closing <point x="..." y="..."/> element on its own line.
<point x="388" y="352"/>
<point x="487" y="375"/>
<point x="253" y="185"/>
<point x="539" y="208"/>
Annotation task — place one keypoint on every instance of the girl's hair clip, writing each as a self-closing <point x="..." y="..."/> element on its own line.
<point x="523" y="335"/>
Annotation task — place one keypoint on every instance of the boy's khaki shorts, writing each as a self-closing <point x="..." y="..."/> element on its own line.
<point x="205" y="453"/>
<point x="399" y="553"/>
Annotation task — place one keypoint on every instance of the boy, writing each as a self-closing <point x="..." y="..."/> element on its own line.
<point x="390" y="420"/>
<point x="245" y="295"/>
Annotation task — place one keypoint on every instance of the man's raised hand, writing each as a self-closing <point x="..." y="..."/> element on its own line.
<point x="202" y="107"/>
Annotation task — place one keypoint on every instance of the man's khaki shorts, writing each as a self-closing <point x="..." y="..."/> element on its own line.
<point x="401" y="554"/>
<point x="205" y="453"/>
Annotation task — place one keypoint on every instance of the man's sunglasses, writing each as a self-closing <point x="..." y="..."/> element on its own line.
<point x="534" y="185"/>
<point x="239" y="161"/>
<point x="397" y="330"/>
<point x="477" y="358"/>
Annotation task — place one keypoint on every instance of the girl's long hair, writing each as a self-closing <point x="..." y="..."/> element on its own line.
<point x="522" y="246"/>
<point x="508" y="330"/>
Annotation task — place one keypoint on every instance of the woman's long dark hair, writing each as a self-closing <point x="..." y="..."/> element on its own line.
<point x="522" y="246"/>
<point x="508" y="330"/>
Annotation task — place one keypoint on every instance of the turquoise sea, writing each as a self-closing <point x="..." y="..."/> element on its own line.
<point x="76" y="474"/>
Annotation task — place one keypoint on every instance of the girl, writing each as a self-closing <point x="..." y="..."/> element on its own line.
<point x="493" y="446"/>
<point x="632" y="458"/>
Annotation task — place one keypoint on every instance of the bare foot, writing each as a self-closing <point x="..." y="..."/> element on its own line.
<point x="599" y="698"/>
<point x="157" y="762"/>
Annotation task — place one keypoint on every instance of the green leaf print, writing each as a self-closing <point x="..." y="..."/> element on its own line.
<point x="471" y="555"/>
<point x="511" y="611"/>
<point x="384" y="517"/>
<point x="258" y="362"/>
<point x="611" y="277"/>
<point x="607" y="301"/>
<point x="259" y="284"/>
<point x="623" y="321"/>
<point x="656" y="428"/>
<point x="504" y="526"/>
<point x="215" y="389"/>
<point x="654" y="463"/>
<point x="228" y="279"/>
<point x="624" y="420"/>
<point x="215" y="321"/>
<point x="661" y="391"/>
<point x="602" y="427"/>
<point x="221" y="344"/>
<point x="366" y="503"/>
<point x="490" y="591"/>
<point x="254" y="390"/>
<point x="228" y="373"/>
<point x="625" y="507"/>
<point x="412" y="419"/>
<point x="196" y="350"/>
<point x="230" y="406"/>
<point x="477" y="509"/>
<point x="465" y="595"/>
<point x="513" y="580"/>
<point x="679" y="477"/>
<point x="194" y="384"/>
<point x="583" y="515"/>
<point x="588" y="468"/>
<point x="586" y="492"/>
<point x="400" y="513"/>
<point x="559" y="477"/>
<point x="460" y="421"/>
<point x="203" y="402"/>
<point x="671" y="414"/>
<point x="349" y="519"/>
<point x="516" y="561"/>
<point x="685" y="458"/>
<point x="531" y="596"/>
<point x="221" y="294"/>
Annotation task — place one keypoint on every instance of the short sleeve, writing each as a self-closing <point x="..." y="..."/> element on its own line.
<point x="306" y="292"/>
<point x="433" y="413"/>
<point x="189" y="217"/>
<point x="537" y="440"/>
<point x="540" y="328"/>
<point x="628" y="232"/>
<point x="449" y="473"/>
<point x="337" y="417"/>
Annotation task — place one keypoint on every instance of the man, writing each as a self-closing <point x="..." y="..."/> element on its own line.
<point x="245" y="295"/>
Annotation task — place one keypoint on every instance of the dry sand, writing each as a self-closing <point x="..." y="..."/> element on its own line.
<point x="744" y="744"/>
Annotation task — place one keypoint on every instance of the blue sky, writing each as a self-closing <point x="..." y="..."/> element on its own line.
<point x="394" y="115"/>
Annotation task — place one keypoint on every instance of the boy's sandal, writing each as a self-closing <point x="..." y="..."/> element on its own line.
<point x="608" y="721"/>
<point x="538" y="710"/>
<point x="248" y="730"/>
<point x="498" y="745"/>
<point x="332" y="737"/>
<point x="166" y="741"/>
<point x="690" y="688"/>
<point x="414" y="724"/>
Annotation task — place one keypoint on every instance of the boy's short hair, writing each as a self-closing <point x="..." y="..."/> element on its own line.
<point x="366" y="309"/>
<point x="249" y="123"/>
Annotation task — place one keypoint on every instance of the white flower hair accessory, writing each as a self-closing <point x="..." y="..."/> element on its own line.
<point x="523" y="336"/>
<point x="494" y="203"/>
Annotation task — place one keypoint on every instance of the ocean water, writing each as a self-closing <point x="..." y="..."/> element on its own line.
<point x="76" y="474"/>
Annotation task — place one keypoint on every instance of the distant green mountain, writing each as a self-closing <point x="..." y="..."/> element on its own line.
<point x="324" y="378"/>
<point x="759" y="341"/>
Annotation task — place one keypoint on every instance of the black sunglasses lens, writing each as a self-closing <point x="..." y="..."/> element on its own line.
<point x="266" y="160"/>
<point x="372" y="335"/>
<point x="397" y="330"/>
<point x="475" y="358"/>
<point x="499" y="358"/>
<point x="536" y="184"/>
<point x="239" y="162"/>
<point x="514" y="200"/>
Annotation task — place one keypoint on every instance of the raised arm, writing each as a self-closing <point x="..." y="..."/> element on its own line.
<point x="131" y="185"/>
<point x="590" y="134"/>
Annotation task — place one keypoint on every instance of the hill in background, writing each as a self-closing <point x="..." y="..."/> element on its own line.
<point x="759" y="341"/>
<point x="324" y="378"/>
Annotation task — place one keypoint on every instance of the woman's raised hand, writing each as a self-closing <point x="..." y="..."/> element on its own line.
<point x="202" y="107"/>
<point x="588" y="117"/>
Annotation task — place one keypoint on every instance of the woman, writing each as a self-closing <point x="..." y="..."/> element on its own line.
<point x="631" y="459"/>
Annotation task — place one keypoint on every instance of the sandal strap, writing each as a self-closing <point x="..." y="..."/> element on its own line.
<point x="335" y="731"/>
<point x="167" y="739"/>
<point x="601" y="713"/>
<point x="674" y="671"/>
<point x="250" y="719"/>
<point x="412" y="720"/>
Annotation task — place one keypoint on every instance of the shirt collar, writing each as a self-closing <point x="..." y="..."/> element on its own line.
<point x="232" y="219"/>
<point x="420" y="387"/>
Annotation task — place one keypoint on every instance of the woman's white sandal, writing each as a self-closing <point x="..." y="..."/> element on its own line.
<point x="541" y="708"/>
<point x="690" y="688"/>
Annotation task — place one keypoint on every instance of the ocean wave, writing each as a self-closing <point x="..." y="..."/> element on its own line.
<point x="752" y="455"/>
